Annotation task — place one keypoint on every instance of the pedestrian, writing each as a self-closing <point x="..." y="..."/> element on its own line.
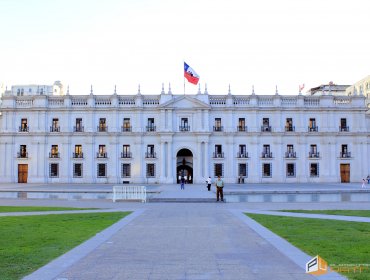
<point x="368" y="179"/>
<point x="219" y="188"/>
<point x="186" y="179"/>
<point x="182" y="183"/>
<point x="363" y="183"/>
<point x="209" y="183"/>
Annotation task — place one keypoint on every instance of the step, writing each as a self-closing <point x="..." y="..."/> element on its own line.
<point x="182" y="200"/>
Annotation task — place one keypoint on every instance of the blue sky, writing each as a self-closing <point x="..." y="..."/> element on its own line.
<point x="126" y="43"/>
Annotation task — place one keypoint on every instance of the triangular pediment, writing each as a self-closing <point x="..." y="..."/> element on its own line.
<point x="185" y="102"/>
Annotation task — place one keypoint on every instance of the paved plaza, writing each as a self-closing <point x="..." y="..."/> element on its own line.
<point x="185" y="240"/>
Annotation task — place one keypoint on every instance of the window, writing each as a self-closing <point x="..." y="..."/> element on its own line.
<point x="266" y="153"/>
<point x="314" y="170"/>
<point x="344" y="151"/>
<point x="312" y="125"/>
<point x="219" y="169"/>
<point x="289" y="125"/>
<point x="23" y="151"/>
<point x="184" y="125"/>
<point x="54" y="153"/>
<point x="150" y="126"/>
<point x="126" y="125"/>
<point x="126" y="151"/>
<point x="290" y="170"/>
<point x="242" y="153"/>
<point x="242" y="170"/>
<point x="79" y="127"/>
<point x="343" y="125"/>
<point x="266" y="125"/>
<point x="77" y="170"/>
<point x="55" y="125"/>
<point x="241" y="125"/>
<point x="126" y="170"/>
<point x="53" y="170"/>
<point x="266" y="170"/>
<point x="102" y="153"/>
<point x="218" y="152"/>
<point x="217" y="126"/>
<point x="24" y="126"/>
<point x="150" y="170"/>
<point x="150" y="151"/>
<point x="290" y="152"/>
<point x="102" y="125"/>
<point x="313" y="151"/>
<point x="78" y="152"/>
<point x="102" y="170"/>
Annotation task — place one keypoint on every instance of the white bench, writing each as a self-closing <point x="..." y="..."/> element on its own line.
<point x="129" y="193"/>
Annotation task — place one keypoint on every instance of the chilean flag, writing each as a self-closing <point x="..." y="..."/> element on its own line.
<point x="190" y="74"/>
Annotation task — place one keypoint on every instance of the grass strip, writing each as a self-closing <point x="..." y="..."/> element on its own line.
<point x="338" y="242"/>
<point x="4" y="209"/>
<point x="358" y="213"/>
<point x="29" y="242"/>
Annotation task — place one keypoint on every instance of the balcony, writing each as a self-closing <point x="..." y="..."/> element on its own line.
<point x="313" y="129"/>
<point x="184" y="128"/>
<point x="290" y="155"/>
<point x="78" y="129"/>
<point x="126" y="128"/>
<point x="266" y="155"/>
<point x="23" y="129"/>
<point x="218" y="128"/>
<point x="345" y="154"/>
<point x="150" y="155"/>
<point x="313" y="154"/>
<point x="242" y="155"/>
<point x="343" y="128"/>
<point x="218" y="155"/>
<point x="22" y="155"/>
<point x="242" y="128"/>
<point x="55" y="129"/>
<point x="126" y="155"/>
<point x="78" y="155"/>
<point x="266" y="128"/>
<point x="101" y="155"/>
<point x="54" y="155"/>
<point x="290" y="128"/>
<point x="151" y="128"/>
<point x="102" y="128"/>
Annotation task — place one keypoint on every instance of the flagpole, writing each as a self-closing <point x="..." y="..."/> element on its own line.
<point x="184" y="85"/>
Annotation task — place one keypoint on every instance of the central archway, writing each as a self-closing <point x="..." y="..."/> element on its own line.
<point x="184" y="166"/>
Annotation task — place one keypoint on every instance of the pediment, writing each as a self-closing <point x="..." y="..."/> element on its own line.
<point x="185" y="102"/>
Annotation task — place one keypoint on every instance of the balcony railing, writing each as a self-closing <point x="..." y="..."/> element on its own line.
<point x="78" y="155"/>
<point x="55" y="129"/>
<point x="218" y="128"/>
<point x="266" y="128"/>
<point x="290" y="154"/>
<point x="242" y="155"/>
<point x="218" y="155"/>
<point x="344" y="128"/>
<point x="313" y="129"/>
<point x="101" y="155"/>
<point x="126" y="128"/>
<point x="102" y="128"/>
<point x="151" y="128"/>
<point x="242" y="128"/>
<point x="150" y="155"/>
<point x="54" y="155"/>
<point x="266" y="155"/>
<point x="126" y="155"/>
<point x="23" y="129"/>
<point x="22" y="155"/>
<point x="78" y="129"/>
<point x="184" y="128"/>
<point x="313" y="155"/>
<point x="290" y="128"/>
<point x="345" y="154"/>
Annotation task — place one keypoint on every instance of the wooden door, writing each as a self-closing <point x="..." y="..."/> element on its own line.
<point x="344" y="173"/>
<point x="22" y="173"/>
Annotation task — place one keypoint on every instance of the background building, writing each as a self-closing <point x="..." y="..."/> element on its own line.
<point x="50" y="136"/>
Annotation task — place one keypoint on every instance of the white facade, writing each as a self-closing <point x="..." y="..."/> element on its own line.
<point x="154" y="138"/>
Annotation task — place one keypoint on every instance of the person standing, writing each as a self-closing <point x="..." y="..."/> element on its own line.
<point x="368" y="179"/>
<point x="182" y="183"/>
<point x="209" y="183"/>
<point x="219" y="188"/>
<point x="363" y="183"/>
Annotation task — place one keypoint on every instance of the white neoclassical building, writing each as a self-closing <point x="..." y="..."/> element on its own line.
<point x="47" y="136"/>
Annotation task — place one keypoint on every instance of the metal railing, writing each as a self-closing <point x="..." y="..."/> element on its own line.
<point x="344" y="128"/>
<point x="54" y="155"/>
<point x="102" y="128"/>
<point x="290" y="128"/>
<point x="345" y="155"/>
<point x="78" y="155"/>
<point x="218" y="155"/>
<point x="23" y="129"/>
<point x="242" y="128"/>
<point x="184" y="128"/>
<point x="150" y="155"/>
<point x="266" y="128"/>
<point x="313" y="129"/>
<point x="22" y="155"/>
<point x="129" y="193"/>
<point x="126" y="128"/>
<point x="125" y="154"/>
<point x="290" y="154"/>
<point x="313" y="155"/>
<point x="266" y="155"/>
<point x="101" y="155"/>
<point x="242" y="155"/>
<point x="78" y="129"/>
<point x="55" y="129"/>
<point x="218" y="128"/>
<point x="151" y="128"/>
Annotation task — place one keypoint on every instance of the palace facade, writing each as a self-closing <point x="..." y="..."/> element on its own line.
<point x="47" y="136"/>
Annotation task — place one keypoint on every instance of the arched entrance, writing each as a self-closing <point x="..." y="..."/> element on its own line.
<point x="184" y="166"/>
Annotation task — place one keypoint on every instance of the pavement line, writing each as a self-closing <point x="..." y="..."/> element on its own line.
<point x="39" y="213"/>
<point x="62" y="263"/>
<point x="291" y="252"/>
<point x="311" y="216"/>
